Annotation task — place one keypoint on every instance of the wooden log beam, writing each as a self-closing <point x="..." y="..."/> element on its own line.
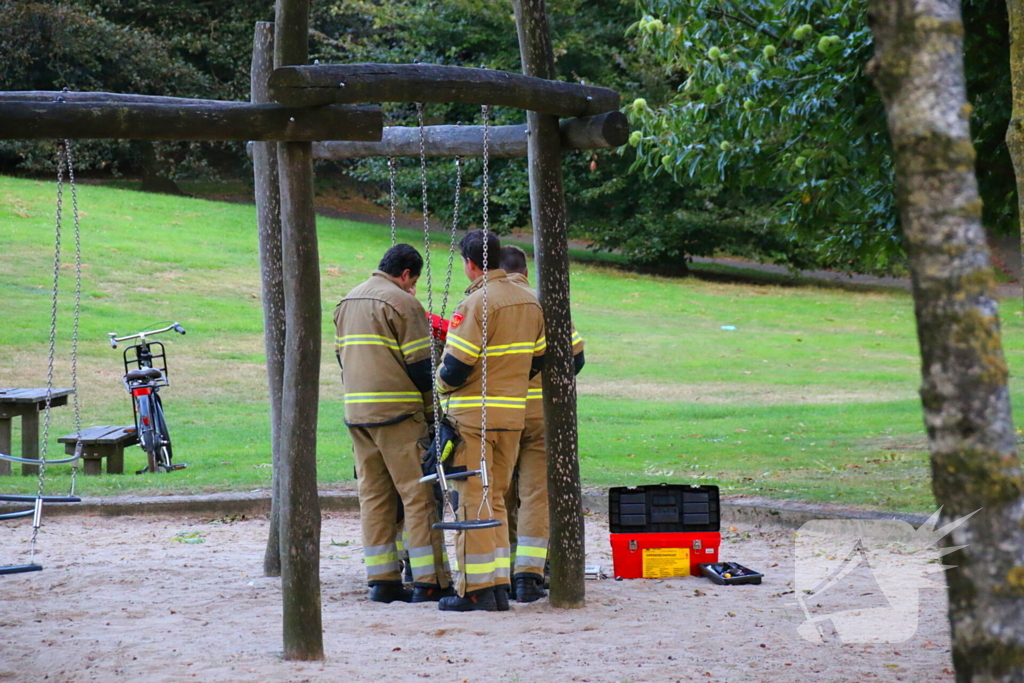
<point x="34" y="115"/>
<point x="603" y="131"/>
<point x="353" y="83"/>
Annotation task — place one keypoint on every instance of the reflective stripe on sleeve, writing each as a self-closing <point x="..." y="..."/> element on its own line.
<point x="541" y="344"/>
<point x="416" y="345"/>
<point x="366" y="339"/>
<point x="532" y="394"/>
<point x="576" y="338"/>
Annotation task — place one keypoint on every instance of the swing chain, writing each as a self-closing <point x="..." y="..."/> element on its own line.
<point x="455" y="225"/>
<point x="484" y="479"/>
<point x="392" y="171"/>
<point x="77" y="313"/>
<point x="435" y="394"/>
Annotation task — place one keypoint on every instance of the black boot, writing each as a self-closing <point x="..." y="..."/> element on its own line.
<point x="390" y="592"/>
<point x="528" y="587"/>
<point x="477" y="600"/>
<point x="501" y="592"/>
<point x="430" y="593"/>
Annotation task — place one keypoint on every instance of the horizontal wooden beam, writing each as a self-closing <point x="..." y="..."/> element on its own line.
<point x="591" y="132"/>
<point x="36" y="115"/>
<point x="355" y="83"/>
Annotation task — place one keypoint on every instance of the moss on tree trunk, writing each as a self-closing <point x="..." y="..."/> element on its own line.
<point x="918" y="68"/>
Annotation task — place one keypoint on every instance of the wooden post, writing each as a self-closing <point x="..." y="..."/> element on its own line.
<point x="268" y="219"/>
<point x="976" y="473"/>
<point x="300" y="506"/>
<point x="547" y="202"/>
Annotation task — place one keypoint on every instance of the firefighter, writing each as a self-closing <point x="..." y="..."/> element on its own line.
<point x="526" y="501"/>
<point x="515" y="352"/>
<point x="383" y="346"/>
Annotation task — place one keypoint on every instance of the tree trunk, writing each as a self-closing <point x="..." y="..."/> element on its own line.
<point x="268" y="219"/>
<point x="300" y="506"/>
<point x="547" y="202"/>
<point x="918" y="68"/>
<point x="1015" y="131"/>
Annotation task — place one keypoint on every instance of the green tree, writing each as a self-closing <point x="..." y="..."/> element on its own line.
<point x="773" y="106"/>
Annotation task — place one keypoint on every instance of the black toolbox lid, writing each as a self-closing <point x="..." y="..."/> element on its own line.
<point x="663" y="508"/>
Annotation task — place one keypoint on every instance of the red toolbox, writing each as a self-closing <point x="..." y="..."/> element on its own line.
<point x="663" y="555"/>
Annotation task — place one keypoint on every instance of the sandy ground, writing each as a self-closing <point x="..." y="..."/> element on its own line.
<point x="128" y="598"/>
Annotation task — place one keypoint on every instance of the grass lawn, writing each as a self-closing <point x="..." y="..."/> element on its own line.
<point x="812" y="396"/>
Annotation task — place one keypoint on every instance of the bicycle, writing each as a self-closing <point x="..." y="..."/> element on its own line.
<point x="143" y="381"/>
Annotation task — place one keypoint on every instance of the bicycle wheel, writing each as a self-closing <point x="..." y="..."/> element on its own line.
<point x="164" y="453"/>
<point x="149" y="439"/>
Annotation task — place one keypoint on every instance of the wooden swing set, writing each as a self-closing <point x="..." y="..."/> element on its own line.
<point x="300" y="112"/>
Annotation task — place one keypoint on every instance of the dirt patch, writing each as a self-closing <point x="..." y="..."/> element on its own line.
<point x="726" y="392"/>
<point x="153" y="599"/>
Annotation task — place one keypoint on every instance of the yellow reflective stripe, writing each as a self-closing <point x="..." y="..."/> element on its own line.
<point x="529" y="551"/>
<point x="384" y="558"/>
<point x="482" y="568"/>
<point x="383" y="397"/>
<point x="463" y="345"/>
<point x="541" y="344"/>
<point x="505" y="349"/>
<point x="495" y="401"/>
<point x="367" y="339"/>
<point x="576" y="338"/>
<point x="503" y="562"/>
<point x="416" y="345"/>
<point x="534" y="393"/>
<point x="425" y="561"/>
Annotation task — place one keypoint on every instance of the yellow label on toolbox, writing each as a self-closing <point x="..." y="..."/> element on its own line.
<point x="661" y="563"/>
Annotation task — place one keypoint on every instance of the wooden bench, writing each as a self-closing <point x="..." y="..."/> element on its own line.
<point x="101" y="442"/>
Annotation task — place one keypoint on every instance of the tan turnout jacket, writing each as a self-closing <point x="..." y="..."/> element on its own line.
<point x="380" y="328"/>
<point x="535" y="394"/>
<point x="515" y="335"/>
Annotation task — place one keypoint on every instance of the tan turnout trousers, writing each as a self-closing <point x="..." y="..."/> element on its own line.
<point x="483" y="555"/>
<point x="526" y="502"/>
<point x="388" y="463"/>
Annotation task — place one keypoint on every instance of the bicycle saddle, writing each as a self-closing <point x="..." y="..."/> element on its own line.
<point x="143" y="373"/>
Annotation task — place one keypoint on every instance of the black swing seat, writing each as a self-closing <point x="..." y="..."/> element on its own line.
<point x="32" y="499"/>
<point x="20" y="568"/>
<point x="454" y="476"/>
<point x="143" y="373"/>
<point x="468" y="525"/>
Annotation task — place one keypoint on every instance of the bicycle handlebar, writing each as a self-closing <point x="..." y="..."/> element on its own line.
<point x="142" y="335"/>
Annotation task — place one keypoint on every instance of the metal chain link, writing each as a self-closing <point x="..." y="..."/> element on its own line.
<point x="392" y="171"/>
<point x="485" y="224"/>
<point x="77" y="313"/>
<point x="430" y="286"/>
<point x="41" y="467"/>
<point x="452" y="243"/>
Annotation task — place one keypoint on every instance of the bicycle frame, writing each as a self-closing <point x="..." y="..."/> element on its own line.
<point x="146" y="372"/>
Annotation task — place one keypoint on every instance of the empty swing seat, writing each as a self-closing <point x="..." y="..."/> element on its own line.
<point x="454" y="476"/>
<point x="20" y="568"/>
<point x="467" y="525"/>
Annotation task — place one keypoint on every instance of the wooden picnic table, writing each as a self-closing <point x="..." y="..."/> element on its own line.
<point x="26" y="404"/>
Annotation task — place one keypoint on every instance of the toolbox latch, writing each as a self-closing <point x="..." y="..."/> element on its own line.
<point x="697" y="545"/>
<point x="632" y="545"/>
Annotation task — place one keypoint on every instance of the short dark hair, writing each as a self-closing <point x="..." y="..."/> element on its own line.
<point x="472" y="248"/>
<point x="400" y="258"/>
<point x="513" y="259"/>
